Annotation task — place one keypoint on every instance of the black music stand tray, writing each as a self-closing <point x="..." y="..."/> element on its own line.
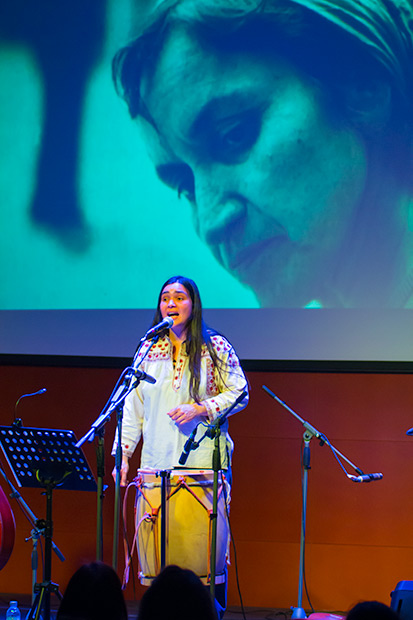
<point x="46" y="458"/>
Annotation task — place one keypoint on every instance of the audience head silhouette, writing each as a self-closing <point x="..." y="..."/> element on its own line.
<point x="94" y="592"/>
<point x="176" y="594"/>
<point x="371" y="610"/>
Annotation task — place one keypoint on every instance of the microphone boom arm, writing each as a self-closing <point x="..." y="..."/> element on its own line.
<point x="313" y="432"/>
<point x="309" y="433"/>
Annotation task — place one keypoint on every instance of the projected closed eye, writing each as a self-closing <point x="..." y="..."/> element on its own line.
<point x="179" y="177"/>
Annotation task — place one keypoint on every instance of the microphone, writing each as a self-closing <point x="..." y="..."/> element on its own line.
<point x="189" y="445"/>
<point x="17" y="422"/>
<point x="410" y="431"/>
<point x="157" y="329"/>
<point x="142" y="376"/>
<point x="365" y="477"/>
<point x="42" y="391"/>
<point x="223" y="418"/>
<point x="134" y="371"/>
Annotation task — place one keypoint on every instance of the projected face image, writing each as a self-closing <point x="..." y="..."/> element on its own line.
<point x="287" y="148"/>
<point x="274" y="182"/>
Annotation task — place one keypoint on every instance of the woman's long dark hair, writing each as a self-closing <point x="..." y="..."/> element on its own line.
<point x="198" y="333"/>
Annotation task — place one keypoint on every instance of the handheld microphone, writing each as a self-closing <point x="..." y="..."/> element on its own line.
<point x="157" y="329"/>
<point x="189" y="445"/>
<point x="365" y="477"/>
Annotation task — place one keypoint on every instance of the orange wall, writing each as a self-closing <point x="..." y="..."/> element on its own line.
<point x="359" y="536"/>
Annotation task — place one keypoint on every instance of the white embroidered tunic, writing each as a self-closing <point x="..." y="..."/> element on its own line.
<point x="145" y="408"/>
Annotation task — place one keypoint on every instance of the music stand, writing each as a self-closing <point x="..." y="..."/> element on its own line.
<point x="45" y="458"/>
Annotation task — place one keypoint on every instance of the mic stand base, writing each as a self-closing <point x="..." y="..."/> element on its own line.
<point x="298" y="612"/>
<point x="41" y="605"/>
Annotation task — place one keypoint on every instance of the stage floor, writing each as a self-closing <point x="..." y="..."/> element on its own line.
<point x="232" y="613"/>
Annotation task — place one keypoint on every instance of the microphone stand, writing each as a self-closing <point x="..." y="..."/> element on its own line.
<point x="214" y="432"/>
<point x="128" y="381"/>
<point x="309" y="433"/>
<point x="97" y="430"/>
<point x="216" y="466"/>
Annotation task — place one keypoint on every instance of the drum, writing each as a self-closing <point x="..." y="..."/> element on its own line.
<point x="188" y="525"/>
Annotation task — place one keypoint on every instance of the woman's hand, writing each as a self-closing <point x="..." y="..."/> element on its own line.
<point x="124" y="468"/>
<point x="186" y="413"/>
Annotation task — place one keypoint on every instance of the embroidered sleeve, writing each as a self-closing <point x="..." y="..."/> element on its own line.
<point x="228" y="381"/>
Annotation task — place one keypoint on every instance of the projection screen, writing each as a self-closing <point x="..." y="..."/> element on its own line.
<point x="269" y="159"/>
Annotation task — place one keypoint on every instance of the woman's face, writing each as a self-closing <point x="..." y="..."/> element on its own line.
<point x="176" y="303"/>
<point x="273" y="178"/>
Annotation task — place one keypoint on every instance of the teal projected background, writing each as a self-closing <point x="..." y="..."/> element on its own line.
<point x="286" y="125"/>
<point x="84" y="222"/>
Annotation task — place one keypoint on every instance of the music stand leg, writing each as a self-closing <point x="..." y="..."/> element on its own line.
<point x="37" y="605"/>
<point x="43" y="590"/>
<point x="42" y="600"/>
<point x="35" y="535"/>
